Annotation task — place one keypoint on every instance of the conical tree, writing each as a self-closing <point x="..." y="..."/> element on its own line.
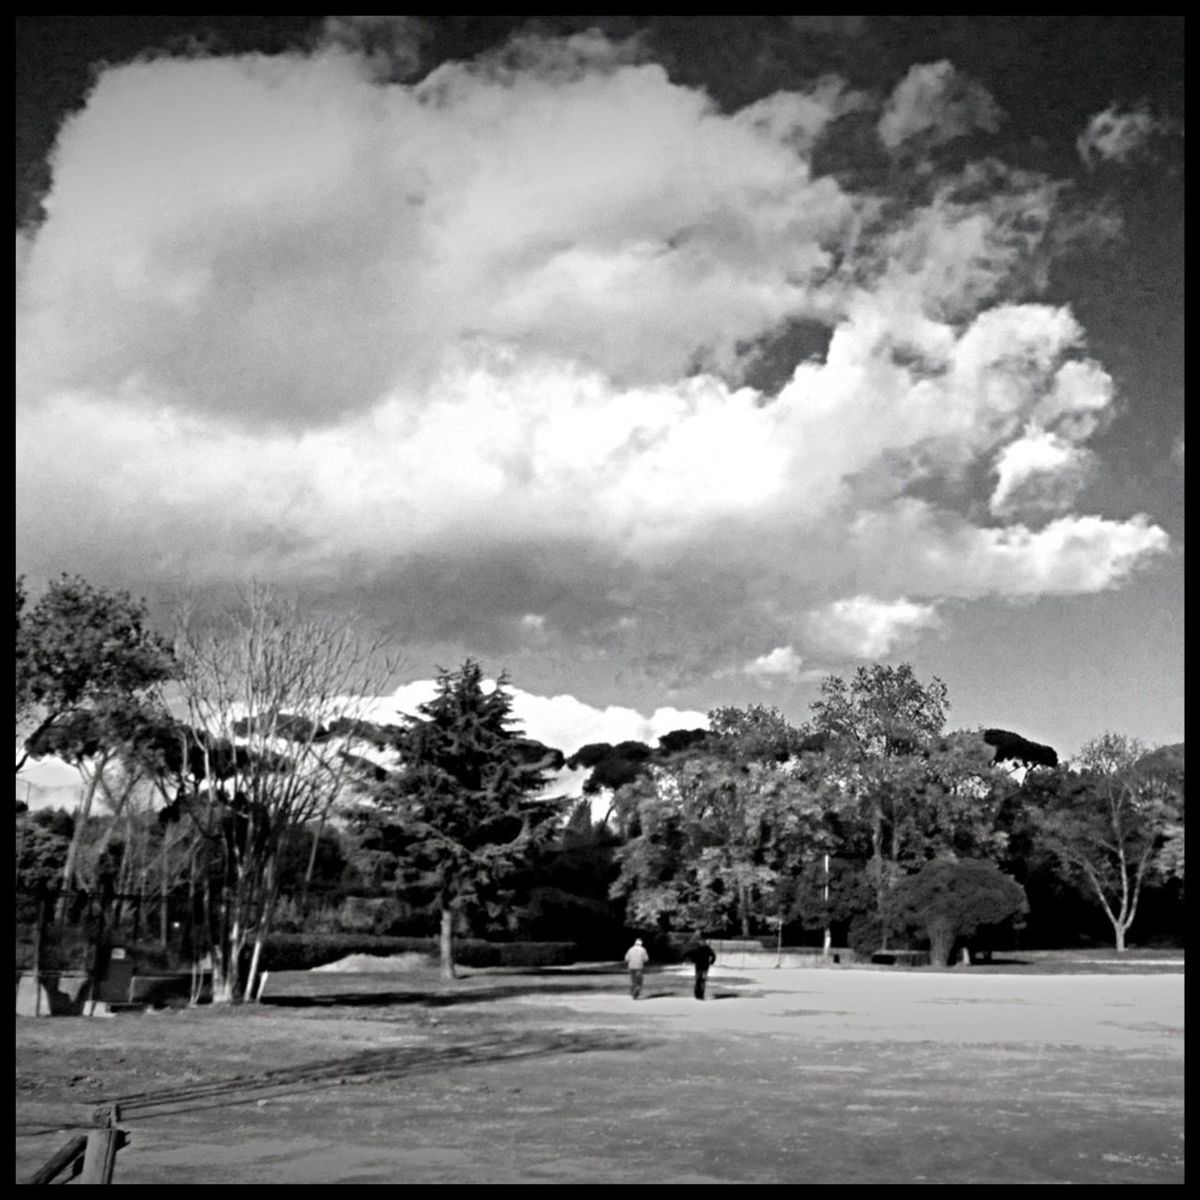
<point x="464" y="810"/>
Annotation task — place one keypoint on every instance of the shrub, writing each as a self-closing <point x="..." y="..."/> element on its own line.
<point x="946" y="902"/>
<point x="865" y="935"/>
<point x="303" y="951"/>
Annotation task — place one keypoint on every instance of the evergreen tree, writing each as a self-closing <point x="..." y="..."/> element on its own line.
<point x="464" y="811"/>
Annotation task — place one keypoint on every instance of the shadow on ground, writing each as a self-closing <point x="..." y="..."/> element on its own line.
<point x="371" y="1066"/>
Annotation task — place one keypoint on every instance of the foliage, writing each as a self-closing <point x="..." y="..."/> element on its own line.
<point x="882" y="711"/>
<point x="81" y="648"/>
<point x="948" y="901"/>
<point x="866" y="935"/>
<point x="1109" y="821"/>
<point x="465" y="808"/>
<point x="1012" y="747"/>
<point x="302" y="952"/>
<point x="610" y="766"/>
<point x="41" y="854"/>
<point x="818" y="901"/>
<point x="907" y="792"/>
<point x="710" y="841"/>
<point x="753" y="734"/>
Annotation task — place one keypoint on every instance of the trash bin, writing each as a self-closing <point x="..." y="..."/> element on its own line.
<point x="114" y="976"/>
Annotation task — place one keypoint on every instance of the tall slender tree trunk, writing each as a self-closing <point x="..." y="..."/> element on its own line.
<point x="445" y="944"/>
<point x="265" y="917"/>
<point x="81" y="819"/>
<point x="163" y="915"/>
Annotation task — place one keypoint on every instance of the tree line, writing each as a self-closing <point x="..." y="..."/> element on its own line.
<point x="230" y="760"/>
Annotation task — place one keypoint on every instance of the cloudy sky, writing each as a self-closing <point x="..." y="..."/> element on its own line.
<point x="666" y="363"/>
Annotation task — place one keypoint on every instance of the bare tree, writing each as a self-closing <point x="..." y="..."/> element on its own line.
<point x="264" y="683"/>
<point x="1110" y="820"/>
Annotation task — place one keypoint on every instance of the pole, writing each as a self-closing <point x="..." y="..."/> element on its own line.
<point x="828" y="932"/>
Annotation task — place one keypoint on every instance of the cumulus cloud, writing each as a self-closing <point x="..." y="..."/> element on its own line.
<point x="865" y="627"/>
<point x="937" y="103"/>
<point x="915" y="549"/>
<point x="782" y="662"/>
<point x="478" y="345"/>
<point x="1040" y="470"/>
<point x="562" y="722"/>
<point x="389" y="47"/>
<point x="1116" y="136"/>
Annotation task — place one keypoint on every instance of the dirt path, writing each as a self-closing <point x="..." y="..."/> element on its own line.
<point x="782" y="1076"/>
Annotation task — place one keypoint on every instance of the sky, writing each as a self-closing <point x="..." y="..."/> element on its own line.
<point x="663" y="363"/>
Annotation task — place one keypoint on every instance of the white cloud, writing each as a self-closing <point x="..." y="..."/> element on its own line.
<point x="782" y="662"/>
<point x="1116" y="136"/>
<point x="283" y="321"/>
<point x="865" y="627"/>
<point x="1038" y="471"/>
<point x="562" y="722"/>
<point x="936" y="101"/>
<point x="911" y="548"/>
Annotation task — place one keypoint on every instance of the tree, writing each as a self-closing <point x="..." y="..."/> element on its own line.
<point x="948" y="901"/>
<point x="710" y="840"/>
<point x="1109" y="821"/>
<point x="906" y="790"/>
<point x="264" y="685"/>
<point x="1012" y="747"/>
<point x="465" y="810"/>
<point x="753" y="734"/>
<point x="883" y="711"/>
<point x="89" y="670"/>
<point x="80" y="648"/>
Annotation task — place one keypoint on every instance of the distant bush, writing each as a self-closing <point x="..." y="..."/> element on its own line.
<point x="865" y="935"/>
<point x="303" y="951"/>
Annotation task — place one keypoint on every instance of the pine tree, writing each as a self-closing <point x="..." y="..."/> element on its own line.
<point x="464" y="809"/>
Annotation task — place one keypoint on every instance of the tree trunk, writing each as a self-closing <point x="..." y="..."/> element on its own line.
<point x="81" y="817"/>
<point x="312" y="862"/>
<point x="260" y="936"/>
<point x="445" y="946"/>
<point x="1120" y="931"/>
<point x="163" y="913"/>
<point x="941" y="943"/>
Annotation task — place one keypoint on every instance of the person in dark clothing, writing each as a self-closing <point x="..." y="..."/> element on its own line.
<point x="701" y="957"/>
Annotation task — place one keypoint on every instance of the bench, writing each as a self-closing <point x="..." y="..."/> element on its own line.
<point x="901" y="958"/>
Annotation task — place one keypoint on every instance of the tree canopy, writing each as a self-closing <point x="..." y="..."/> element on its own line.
<point x="465" y="808"/>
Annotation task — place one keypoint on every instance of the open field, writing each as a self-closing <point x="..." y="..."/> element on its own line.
<point x="814" y="1075"/>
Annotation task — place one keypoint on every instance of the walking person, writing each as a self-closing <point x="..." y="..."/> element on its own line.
<point x="636" y="959"/>
<point x="702" y="957"/>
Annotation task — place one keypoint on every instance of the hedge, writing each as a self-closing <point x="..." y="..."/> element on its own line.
<point x="303" y="951"/>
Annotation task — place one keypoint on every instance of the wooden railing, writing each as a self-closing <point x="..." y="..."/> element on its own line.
<point x="90" y="1156"/>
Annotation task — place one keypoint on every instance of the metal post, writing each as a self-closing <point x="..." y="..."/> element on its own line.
<point x="828" y="932"/>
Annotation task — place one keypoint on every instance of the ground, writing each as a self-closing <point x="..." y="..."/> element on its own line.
<point x="1003" y="1074"/>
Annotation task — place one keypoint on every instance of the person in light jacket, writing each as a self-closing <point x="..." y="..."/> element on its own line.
<point x="636" y="959"/>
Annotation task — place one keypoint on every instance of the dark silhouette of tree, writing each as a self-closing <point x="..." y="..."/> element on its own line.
<point x="465" y="808"/>
<point x="610" y="766"/>
<point x="950" y="901"/>
<point x="1012" y="747"/>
